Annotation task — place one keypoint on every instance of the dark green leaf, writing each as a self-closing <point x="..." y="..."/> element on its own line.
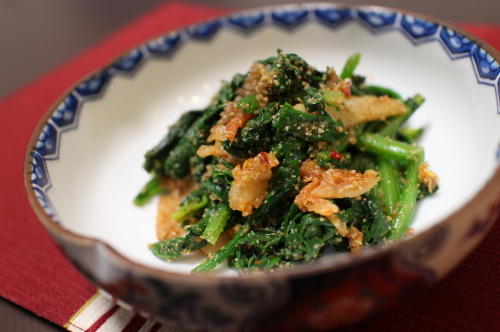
<point x="156" y="156"/>
<point x="305" y="126"/>
<point x="151" y="189"/>
<point x="249" y="104"/>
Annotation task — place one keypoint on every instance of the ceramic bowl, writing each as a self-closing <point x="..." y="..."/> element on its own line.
<point x="83" y="166"/>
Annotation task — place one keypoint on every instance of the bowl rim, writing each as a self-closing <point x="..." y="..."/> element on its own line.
<point x="336" y="262"/>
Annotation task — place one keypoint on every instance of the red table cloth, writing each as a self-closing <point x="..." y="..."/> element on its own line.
<point x="35" y="275"/>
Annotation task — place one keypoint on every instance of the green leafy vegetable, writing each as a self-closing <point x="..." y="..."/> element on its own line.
<point x="368" y="216"/>
<point x="249" y="104"/>
<point x="216" y="222"/>
<point x="176" y="164"/>
<point x="381" y="91"/>
<point x="156" y="155"/>
<point x="410" y="135"/>
<point x="256" y="136"/>
<point x="290" y="73"/>
<point x="151" y="189"/>
<point x="332" y="97"/>
<point x="228" y="91"/>
<point x="223" y="253"/>
<point x="390" y="148"/>
<point x="193" y="203"/>
<point x="389" y="184"/>
<point x="173" y="248"/>
<point x="218" y="183"/>
<point x="350" y="66"/>
<point x="407" y="202"/>
<point x="287" y="154"/>
<point x="306" y="126"/>
<point x="392" y="126"/>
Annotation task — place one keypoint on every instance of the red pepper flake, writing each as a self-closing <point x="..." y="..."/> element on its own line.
<point x="263" y="157"/>
<point x="337" y="155"/>
<point x="346" y="89"/>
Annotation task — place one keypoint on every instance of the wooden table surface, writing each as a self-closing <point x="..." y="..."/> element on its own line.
<point x="36" y="36"/>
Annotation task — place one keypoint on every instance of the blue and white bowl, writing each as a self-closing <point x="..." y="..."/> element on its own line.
<point x="83" y="165"/>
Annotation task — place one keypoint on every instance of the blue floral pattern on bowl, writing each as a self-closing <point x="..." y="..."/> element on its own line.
<point x="377" y="19"/>
<point x="39" y="174"/>
<point x="418" y="28"/>
<point x="290" y="18"/>
<point x="164" y="45"/>
<point x="247" y="22"/>
<point x="129" y="62"/>
<point x="47" y="145"/>
<point x="333" y="16"/>
<point x="455" y="42"/>
<point x="66" y="113"/>
<point x="42" y="197"/>
<point x="204" y="30"/>
<point x="487" y="67"/>
<point x="94" y="85"/>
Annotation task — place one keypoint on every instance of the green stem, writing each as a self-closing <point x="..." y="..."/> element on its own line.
<point x="389" y="148"/>
<point x="410" y="135"/>
<point x="377" y="90"/>
<point x="223" y="253"/>
<point x="391" y="127"/>
<point x="187" y="210"/>
<point x="407" y="203"/>
<point x="150" y="189"/>
<point x="389" y="184"/>
<point x="216" y="223"/>
<point x="350" y="65"/>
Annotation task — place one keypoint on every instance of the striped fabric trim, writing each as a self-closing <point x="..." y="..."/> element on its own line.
<point x="102" y="314"/>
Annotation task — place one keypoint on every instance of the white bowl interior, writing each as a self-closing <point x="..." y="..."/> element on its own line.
<point x="99" y="169"/>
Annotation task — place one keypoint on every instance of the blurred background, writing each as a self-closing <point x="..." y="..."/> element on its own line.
<point x="36" y="35"/>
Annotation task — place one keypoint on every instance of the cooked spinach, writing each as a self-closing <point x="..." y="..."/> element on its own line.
<point x="286" y="113"/>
